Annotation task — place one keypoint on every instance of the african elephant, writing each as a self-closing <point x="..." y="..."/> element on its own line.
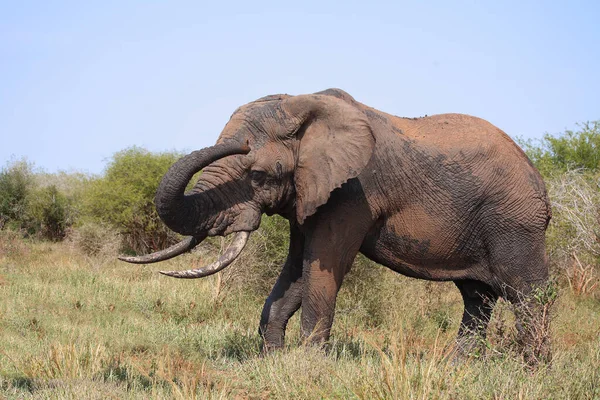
<point x="445" y="198"/>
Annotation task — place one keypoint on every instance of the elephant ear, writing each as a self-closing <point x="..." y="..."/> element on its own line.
<point x="335" y="144"/>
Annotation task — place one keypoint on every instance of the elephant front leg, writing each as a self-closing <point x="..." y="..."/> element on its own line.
<point x="318" y="303"/>
<point x="286" y="296"/>
<point x="328" y="256"/>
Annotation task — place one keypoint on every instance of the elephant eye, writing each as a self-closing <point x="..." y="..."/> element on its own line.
<point x="258" y="177"/>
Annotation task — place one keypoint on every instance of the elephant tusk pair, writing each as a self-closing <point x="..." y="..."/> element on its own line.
<point x="233" y="251"/>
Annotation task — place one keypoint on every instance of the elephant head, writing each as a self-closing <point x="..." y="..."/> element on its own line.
<point x="280" y="154"/>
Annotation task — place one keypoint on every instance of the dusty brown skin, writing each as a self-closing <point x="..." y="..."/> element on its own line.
<point x="446" y="197"/>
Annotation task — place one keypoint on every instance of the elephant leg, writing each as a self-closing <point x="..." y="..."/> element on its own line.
<point x="523" y="276"/>
<point x="329" y="252"/>
<point x="531" y="304"/>
<point x="286" y="296"/>
<point x="479" y="300"/>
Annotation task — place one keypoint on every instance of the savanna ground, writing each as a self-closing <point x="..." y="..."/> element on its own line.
<point x="81" y="327"/>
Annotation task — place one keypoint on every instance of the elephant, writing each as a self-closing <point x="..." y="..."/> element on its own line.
<point x="446" y="197"/>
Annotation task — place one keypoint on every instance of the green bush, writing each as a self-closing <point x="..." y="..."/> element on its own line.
<point x="30" y="205"/>
<point x="571" y="150"/>
<point x="124" y="198"/>
<point x="50" y="213"/>
<point x="16" y="185"/>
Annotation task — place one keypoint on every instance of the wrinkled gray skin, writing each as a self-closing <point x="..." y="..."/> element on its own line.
<point x="446" y="197"/>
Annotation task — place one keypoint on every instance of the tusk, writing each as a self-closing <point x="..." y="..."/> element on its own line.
<point x="185" y="245"/>
<point x="234" y="250"/>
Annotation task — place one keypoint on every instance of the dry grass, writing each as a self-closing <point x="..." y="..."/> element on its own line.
<point x="575" y="227"/>
<point x="582" y="278"/>
<point x="80" y="327"/>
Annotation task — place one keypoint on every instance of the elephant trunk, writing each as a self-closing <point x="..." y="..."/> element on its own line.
<point x="184" y="213"/>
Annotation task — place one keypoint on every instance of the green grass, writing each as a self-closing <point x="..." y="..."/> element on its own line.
<point x="77" y="327"/>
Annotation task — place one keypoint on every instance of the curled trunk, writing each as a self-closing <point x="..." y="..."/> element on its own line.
<point x="185" y="213"/>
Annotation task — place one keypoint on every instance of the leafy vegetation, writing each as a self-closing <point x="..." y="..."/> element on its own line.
<point x="124" y="198"/>
<point x="32" y="207"/>
<point x="570" y="164"/>
<point x="50" y="208"/>
<point x="570" y="151"/>
<point x="16" y="184"/>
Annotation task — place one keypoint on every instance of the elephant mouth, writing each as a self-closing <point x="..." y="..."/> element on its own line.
<point x="240" y="239"/>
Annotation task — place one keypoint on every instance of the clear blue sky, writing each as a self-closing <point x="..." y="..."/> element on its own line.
<point x="81" y="80"/>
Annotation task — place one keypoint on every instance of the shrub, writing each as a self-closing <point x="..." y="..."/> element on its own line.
<point x="261" y="261"/>
<point x="571" y="150"/>
<point x="123" y="198"/>
<point x="575" y="227"/>
<point x="16" y="184"/>
<point x="96" y="240"/>
<point x="50" y="213"/>
<point x="30" y="205"/>
<point x="574" y="235"/>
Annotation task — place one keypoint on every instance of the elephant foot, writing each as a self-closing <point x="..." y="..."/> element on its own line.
<point x="271" y="344"/>
<point x="469" y="347"/>
<point x="270" y="348"/>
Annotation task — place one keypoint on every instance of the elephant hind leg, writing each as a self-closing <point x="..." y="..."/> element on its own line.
<point x="479" y="300"/>
<point x="532" y="313"/>
<point x="522" y="276"/>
